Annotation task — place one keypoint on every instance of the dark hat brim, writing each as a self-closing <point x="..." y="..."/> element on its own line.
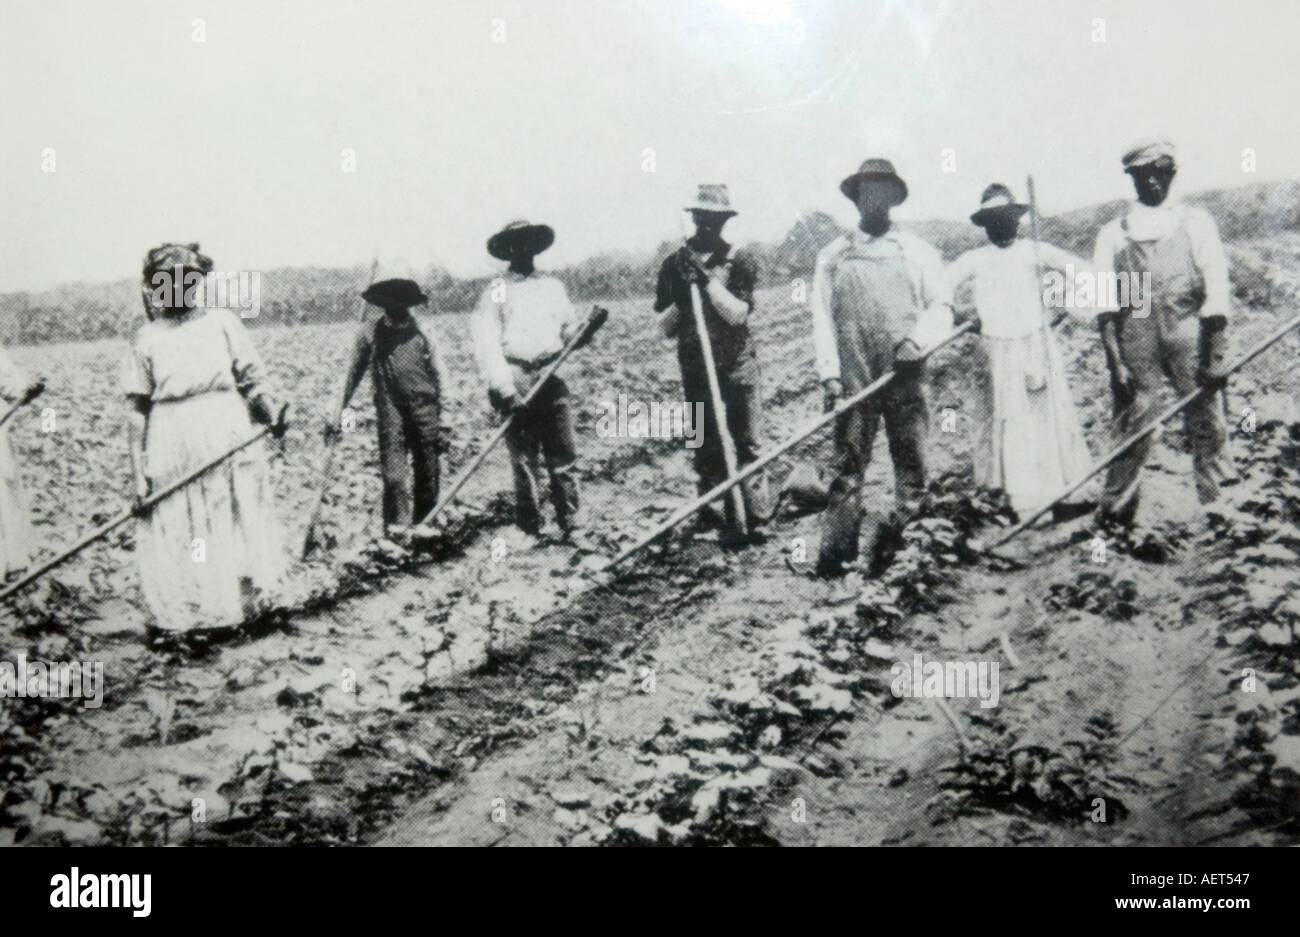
<point x="527" y="239"/>
<point x="389" y="296"/>
<point x="703" y="210"/>
<point x="985" y="215"/>
<point x="851" y="183"/>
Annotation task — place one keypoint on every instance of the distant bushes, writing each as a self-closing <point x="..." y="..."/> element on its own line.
<point x="300" y="295"/>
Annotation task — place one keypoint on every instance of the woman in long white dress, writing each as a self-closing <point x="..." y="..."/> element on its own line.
<point x="210" y="553"/>
<point x="1032" y="443"/>
<point x="15" y="522"/>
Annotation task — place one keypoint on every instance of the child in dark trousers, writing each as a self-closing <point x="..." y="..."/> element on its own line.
<point x="401" y="352"/>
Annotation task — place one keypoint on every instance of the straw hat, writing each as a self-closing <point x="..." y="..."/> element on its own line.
<point x="520" y="238"/>
<point x="876" y="170"/>
<point x="399" y="294"/>
<point x="996" y="201"/>
<point x="712" y="197"/>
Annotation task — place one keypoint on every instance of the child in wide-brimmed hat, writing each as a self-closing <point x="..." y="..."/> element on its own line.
<point x="401" y="352"/>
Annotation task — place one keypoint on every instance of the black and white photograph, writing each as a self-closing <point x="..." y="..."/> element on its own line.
<point x="699" y="423"/>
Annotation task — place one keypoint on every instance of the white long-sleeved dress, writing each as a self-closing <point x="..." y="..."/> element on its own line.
<point x="1031" y="443"/>
<point x="15" y="522"/>
<point x="211" y="553"/>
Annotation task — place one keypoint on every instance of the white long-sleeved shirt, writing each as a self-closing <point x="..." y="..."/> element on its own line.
<point x="924" y="271"/>
<point x="522" y="317"/>
<point x="1147" y="223"/>
<point x="1007" y="291"/>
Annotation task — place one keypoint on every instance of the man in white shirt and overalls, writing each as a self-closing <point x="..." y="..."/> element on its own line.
<point x="879" y="297"/>
<point x="1178" y="334"/>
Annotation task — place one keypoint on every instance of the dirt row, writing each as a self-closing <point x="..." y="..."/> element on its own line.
<point x="209" y="747"/>
<point x="1115" y="689"/>
<point x="495" y="696"/>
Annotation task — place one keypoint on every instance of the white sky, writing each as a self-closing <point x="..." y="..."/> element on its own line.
<point x="236" y="141"/>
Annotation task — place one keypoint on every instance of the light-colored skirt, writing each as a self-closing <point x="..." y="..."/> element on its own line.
<point x="212" y="552"/>
<point x="15" y="521"/>
<point x="1033" y="444"/>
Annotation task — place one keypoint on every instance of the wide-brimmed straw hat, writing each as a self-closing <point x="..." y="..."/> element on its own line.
<point x="997" y="201"/>
<point x="520" y="238"/>
<point x="712" y="197"/>
<point x="875" y="170"/>
<point x="395" y="294"/>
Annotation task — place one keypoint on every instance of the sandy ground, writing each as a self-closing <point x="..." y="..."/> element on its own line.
<point x="495" y="698"/>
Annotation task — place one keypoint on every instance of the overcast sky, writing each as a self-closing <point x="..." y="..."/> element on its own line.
<point x="237" y="141"/>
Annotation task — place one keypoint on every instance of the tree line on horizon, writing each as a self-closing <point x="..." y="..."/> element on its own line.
<point x="306" y="295"/>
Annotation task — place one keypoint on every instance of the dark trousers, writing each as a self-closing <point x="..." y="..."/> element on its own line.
<point x="544" y="431"/>
<point x="744" y="408"/>
<point x="902" y="405"/>
<point x="408" y="457"/>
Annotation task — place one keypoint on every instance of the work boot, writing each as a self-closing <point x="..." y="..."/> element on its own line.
<point x="1070" y="510"/>
<point x="1106" y="519"/>
<point x="882" y="538"/>
<point x="804" y="492"/>
<point x="758" y="533"/>
<point x="710" y="518"/>
<point x="733" y="537"/>
<point x="841" y="528"/>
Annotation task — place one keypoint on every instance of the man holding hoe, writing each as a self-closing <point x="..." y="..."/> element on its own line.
<point x="522" y="324"/>
<point x="1179" y="334"/>
<point x="706" y="270"/>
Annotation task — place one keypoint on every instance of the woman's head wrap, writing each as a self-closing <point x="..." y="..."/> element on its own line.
<point x="169" y="256"/>
<point x="173" y="293"/>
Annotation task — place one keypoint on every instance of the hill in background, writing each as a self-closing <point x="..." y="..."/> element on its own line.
<point x="75" y="311"/>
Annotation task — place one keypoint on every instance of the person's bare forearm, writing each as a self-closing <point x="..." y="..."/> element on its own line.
<point x="355" y="372"/>
<point x="1121" y="376"/>
<point x="669" y="322"/>
<point x="350" y="383"/>
<point x="137" y="419"/>
<point x="1110" y="341"/>
<point x="732" y="308"/>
